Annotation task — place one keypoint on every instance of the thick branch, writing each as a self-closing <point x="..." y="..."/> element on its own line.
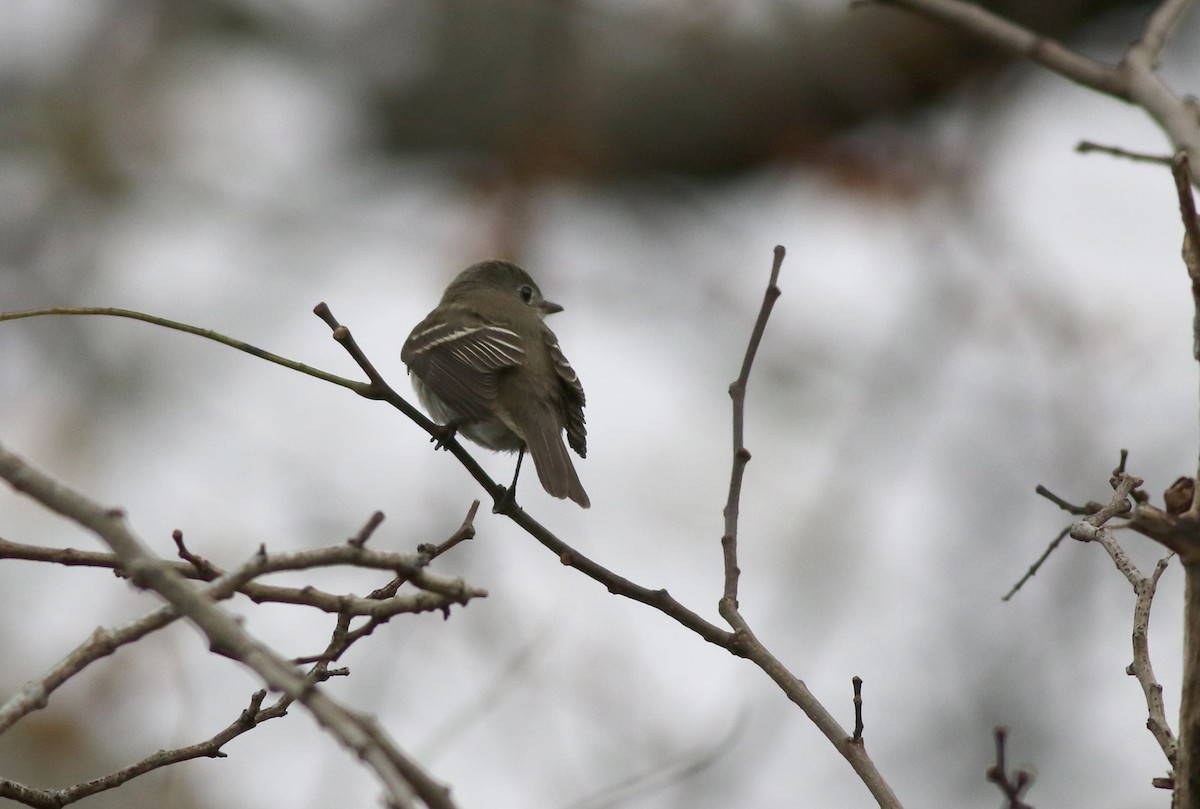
<point x="1012" y="38"/>
<point x="1191" y="261"/>
<point x="1133" y="79"/>
<point x="1187" y="771"/>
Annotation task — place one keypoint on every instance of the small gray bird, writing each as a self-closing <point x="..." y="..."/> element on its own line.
<point x="485" y="364"/>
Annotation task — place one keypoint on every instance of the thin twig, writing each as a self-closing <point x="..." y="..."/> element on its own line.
<point x="1079" y="511"/>
<point x="343" y="637"/>
<point x="35" y="694"/>
<point x="250" y="718"/>
<point x="1033" y="569"/>
<point x="445" y="592"/>
<point x="741" y="455"/>
<point x="364" y="533"/>
<point x="380" y="389"/>
<point x="1013" y="786"/>
<point x="205" y="569"/>
<point x="343" y="336"/>
<point x="208" y="334"/>
<point x="1087" y="146"/>
<point x="857" y="738"/>
<point x="465" y="532"/>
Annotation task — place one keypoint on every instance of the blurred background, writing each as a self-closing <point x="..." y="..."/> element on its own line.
<point x="969" y="308"/>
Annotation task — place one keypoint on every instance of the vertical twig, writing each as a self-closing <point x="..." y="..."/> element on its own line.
<point x="1156" y="722"/>
<point x="741" y="455"/>
<point x="1191" y="259"/>
<point x="1013" y="786"/>
<point x="857" y="738"/>
<point x="743" y="641"/>
<point x="1187" y="775"/>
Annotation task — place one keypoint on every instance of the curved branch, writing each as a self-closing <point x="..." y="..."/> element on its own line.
<point x="208" y="334"/>
<point x="1007" y="36"/>
<point x="1134" y="79"/>
<point x="250" y="718"/>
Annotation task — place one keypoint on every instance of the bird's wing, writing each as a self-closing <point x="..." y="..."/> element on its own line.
<point x="573" y="398"/>
<point x="460" y="363"/>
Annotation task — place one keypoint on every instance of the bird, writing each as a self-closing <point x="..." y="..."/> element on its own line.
<point x="485" y="364"/>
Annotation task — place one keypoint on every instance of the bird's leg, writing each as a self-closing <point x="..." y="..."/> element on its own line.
<point x="510" y="494"/>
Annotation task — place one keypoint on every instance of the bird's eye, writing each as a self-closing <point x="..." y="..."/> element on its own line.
<point x="526" y="293"/>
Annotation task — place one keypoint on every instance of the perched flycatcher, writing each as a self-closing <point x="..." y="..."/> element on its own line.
<point x="485" y="363"/>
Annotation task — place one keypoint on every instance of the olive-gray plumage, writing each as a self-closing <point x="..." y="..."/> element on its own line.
<point x="484" y="361"/>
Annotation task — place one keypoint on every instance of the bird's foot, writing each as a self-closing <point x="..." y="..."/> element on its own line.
<point x="443" y="434"/>
<point x="505" y="501"/>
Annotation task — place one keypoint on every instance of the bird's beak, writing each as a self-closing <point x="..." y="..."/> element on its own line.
<point x="549" y="308"/>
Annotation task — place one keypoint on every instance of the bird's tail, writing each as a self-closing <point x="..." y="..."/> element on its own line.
<point x="554" y="467"/>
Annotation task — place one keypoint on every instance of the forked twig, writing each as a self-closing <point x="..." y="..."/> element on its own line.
<point x="1013" y="786"/>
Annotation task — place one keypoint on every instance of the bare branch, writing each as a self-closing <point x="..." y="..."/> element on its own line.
<point x="465" y="531"/>
<point x="1036" y="566"/>
<point x="1159" y="28"/>
<point x="380" y="389"/>
<point x="1191" y="260"/>
<point x="1090" y="528"/>
<point x="1013" y="786"/>
<point x="441" y="593"/>
<point x="1141" y="668"/>
<point x="857" y="738"/>
<point x="1012" y="38"/>
<point x="364" y="534"/>
<point x="249" y="719"/>
<point x="35" y="694"/>
<point x="1133" y="79"/>
<point x="1180" y="531"/>
<point x="403" y="780"/>
<point x="343" y="336"/>
<point x="1087" y="146"/>
<point x="748" y="646"/>
<point x="1090" y="508"/>
<point x="208" y="334"/>
<point x="741" y="455"/>
<point x="1095" y="529"/>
